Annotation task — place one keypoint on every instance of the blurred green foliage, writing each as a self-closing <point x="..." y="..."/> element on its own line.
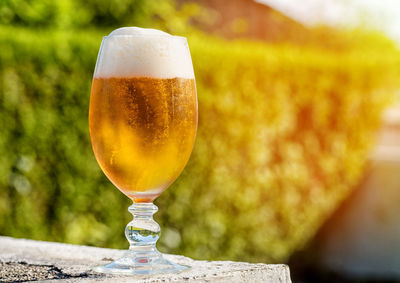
<point x="89" y="14"/>
<point x="73" y="13"/>
<point x="284" y="132"/>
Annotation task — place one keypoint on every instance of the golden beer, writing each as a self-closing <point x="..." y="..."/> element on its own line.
<point x="143" y="122"/>
<point x="142" y="131"/>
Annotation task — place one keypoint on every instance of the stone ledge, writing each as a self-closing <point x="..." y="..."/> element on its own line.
<point x="26" y="260"/>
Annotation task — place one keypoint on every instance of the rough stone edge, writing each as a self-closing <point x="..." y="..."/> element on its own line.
<point x="75" y="259"/>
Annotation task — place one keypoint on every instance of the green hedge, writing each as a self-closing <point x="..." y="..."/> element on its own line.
<point x="283" y="136"/>
<point x="95" y="14"/>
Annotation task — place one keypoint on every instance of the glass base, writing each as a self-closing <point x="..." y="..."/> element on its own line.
<point x="142" y="258"/>
<point x="141" y="265"/>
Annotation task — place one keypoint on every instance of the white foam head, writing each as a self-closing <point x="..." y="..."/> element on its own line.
<point x="138" y="52"/>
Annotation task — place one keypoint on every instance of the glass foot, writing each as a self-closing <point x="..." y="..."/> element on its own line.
<point x="133" y="264"/>
<point x="142" y="257"/>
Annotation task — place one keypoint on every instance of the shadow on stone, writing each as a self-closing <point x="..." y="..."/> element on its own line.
<point x="23" y="272"/>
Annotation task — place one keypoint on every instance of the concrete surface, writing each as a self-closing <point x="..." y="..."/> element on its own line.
<point x="27" y="260"/>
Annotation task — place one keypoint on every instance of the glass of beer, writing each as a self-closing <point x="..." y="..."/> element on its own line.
<point x="143" y="122"/>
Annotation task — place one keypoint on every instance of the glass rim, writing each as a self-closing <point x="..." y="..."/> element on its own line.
<point x="177" y="37"/>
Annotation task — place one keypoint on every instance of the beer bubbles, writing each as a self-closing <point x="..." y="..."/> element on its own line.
<point x="143" y="110"/>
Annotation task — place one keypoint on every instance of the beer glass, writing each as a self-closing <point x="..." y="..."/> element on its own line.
<point x="143" y="122"/>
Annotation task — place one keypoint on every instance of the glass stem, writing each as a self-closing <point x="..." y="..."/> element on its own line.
<point x="143" y="232"/>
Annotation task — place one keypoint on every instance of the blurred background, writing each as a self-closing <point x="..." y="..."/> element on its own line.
<point x="297" y="156"/>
